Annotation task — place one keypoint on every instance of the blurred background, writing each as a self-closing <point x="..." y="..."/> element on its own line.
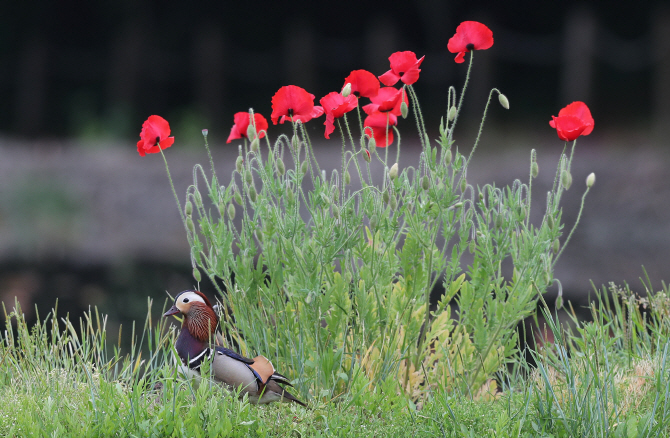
<point x="85" y="220"/>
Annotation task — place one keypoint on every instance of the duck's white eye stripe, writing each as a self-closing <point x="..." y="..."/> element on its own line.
<point x="189" y="297"/>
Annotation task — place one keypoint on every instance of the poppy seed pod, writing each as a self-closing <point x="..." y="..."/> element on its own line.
<point x="238" y="163"/>
<point x="280" y="166"/>
<point x="452" y="113"/>
<point x="404" y="110"/>
<point x="590" y="180"/>
<point x="393" y="172"/>
<point x="503" y="101"/>
<point x="346" y="91"/>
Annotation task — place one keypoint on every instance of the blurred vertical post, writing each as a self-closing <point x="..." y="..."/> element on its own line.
<point x="125" y="66"/>
<point x="31" y="86"/>
<point x="661" y="72"/>
<point x="578" y="60"/>
<point x="300" y="54"/>
<point x="208" y="63"/>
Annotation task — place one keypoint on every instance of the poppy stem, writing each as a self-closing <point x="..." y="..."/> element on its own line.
<point x="572" y="231"/>
<point x="176" y="198"/>
<point x="418" y="116"/>
<point x="460" y="101"/>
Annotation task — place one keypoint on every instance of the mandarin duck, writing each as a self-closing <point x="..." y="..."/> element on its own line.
<point x="256" y="377"/>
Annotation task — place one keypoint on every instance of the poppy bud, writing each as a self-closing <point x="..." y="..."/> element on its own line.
<point x="254" y="145"/>
<point x="481" y="196"/>
<point x="237" y="197"/>
<point x="222" y="208"/>
<point x="346" y="91"/>
<point x="251" y="132"/>
<point x="231" y="211"/>
<point x="347" y="177"/>
<point x="498" y="221"/>
<point x="372" y="143"/>
<point x="188" y="209"/>
<point x="295" y="141"/>
<point x="464" y="185"/>
<point x="335" y="193"/>
<point x="550" y="222"/>
<point x="290" y="196"/>
<point x="403" y="109"/>
<point x="196" y="275"/>
<point x="248" y="177"/>
<point x="471" y="247"/>
<point x="425" y="182"/>
<point x="205" y="132"/>
<point x="452" y="113"/>
<point x="336" y="212"/>
<point x="303" y="166"/>
<point x="566" y="179"/>
<point x="189" y="225"/>
<point x="366" y="156"/>
<point x="447" y="157"/>
<point x="198" y="198"/>
<point x="373" y="222"/>
<point x="252" y="193"/>
<point x="503" y="101"/>
<point x="556" y="246"/>
<point x="238" y="163"/>
<point x="393" y="173"/>
<point x="534" y="169"/>
<point x="590" y="180"/>
<point x="547" y="277"/>
<point x="280" y="166"/>
<point x="259" y="236"/>
<point x="385" y="197"/>
<point x="393" y="203"/>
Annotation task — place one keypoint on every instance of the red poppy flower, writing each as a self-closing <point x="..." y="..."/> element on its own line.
<point x="335" y="105"/>
<point x="404" y="67"/>
<point x="388" y="99"/>
<point x="154" y="136"/>
<point x="470" y="35"/>
<point x="380" y="123"/>
<point x="294" y="103"/>
<point x="572" y="121"/>
<point x="363" y="83"/>
<point x="241" y="126"/>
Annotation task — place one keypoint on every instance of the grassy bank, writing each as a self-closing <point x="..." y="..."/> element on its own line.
<point x="603" y="378"/>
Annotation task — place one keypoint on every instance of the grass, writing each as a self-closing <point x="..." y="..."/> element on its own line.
<point x="605" y="378"/>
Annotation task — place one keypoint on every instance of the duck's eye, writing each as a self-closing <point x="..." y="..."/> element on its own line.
<point x="185" y="300"/>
